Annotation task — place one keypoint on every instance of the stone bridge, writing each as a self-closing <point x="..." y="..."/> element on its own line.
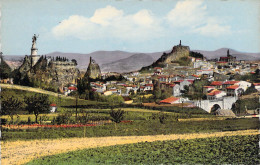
<point x="223" y="103"/>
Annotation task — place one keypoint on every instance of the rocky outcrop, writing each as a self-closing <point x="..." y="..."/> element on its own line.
<point x="179" y="55"/>
<point x="5" y="69"/>
<point x="178" y="52"/>
<point x="93" y="70"/>
<point x="50" y="72"/>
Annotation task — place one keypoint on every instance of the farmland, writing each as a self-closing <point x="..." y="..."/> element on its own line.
<point x="137" y="127"/>
<point x="93" y="122"/>
<point x="220" y="150"/>
<point x="24" y="151"/>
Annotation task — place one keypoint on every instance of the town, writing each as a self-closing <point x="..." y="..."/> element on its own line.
<point x="129" y="82"/>
<point x="180" y="78"/>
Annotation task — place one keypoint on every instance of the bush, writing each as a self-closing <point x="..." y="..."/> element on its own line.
<point x="117" y="116"/>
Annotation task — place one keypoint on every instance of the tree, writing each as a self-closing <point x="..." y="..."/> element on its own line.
<point x="117" y="116"/>
<point x="74" y="61"/>
<point x="10" y="106"/>
<point x="39" y="103"/>
<point x="250" y="90"/>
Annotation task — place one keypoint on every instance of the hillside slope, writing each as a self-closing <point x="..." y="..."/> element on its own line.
<point x="132" y="63"/>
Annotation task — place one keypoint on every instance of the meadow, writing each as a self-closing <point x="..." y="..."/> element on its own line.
<point x="216" y="150"/>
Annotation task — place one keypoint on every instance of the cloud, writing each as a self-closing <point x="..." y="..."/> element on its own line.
<point x="110" y="22"/>
<point x="213" y="30"/>
<point x="188" y="16"/>
<point x="192" y="15"/>
<point x="106" y="15"/>
<point x="187" y="13"/>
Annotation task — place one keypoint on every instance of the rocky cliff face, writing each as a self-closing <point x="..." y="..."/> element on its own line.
<point x="93" y="70"/>
<point x="49" y="72"/>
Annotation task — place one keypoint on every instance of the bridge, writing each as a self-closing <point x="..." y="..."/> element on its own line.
<point x="223" y="103"/>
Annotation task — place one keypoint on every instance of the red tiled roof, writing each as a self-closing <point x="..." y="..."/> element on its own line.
<point x="172" y="85"/>
<point x="179" y="81"/>
<point x="53" y="105"/>
<point x="194" y="75"/>
<point x="256" y="84"/>
<point x="151" y="85"/>
<point x="208" y="87"/>
<point x="231" y="82"/>
<point x="169" y="100"/>
<point x="214" y="92"/>
<point x="216" y="83"/>
<point x="157" y="68"/>
<point x="191" y="81"/>
<point x="72" y="88"/>
<point x="233" y="87"/>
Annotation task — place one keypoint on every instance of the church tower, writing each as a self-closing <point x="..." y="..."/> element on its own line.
<point x="34" y="56"/>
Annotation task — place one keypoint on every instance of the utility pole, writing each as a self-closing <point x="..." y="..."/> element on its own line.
<point x="76" y="106"/>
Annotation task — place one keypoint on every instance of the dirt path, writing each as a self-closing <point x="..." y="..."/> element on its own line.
<point x="20" y="152"/>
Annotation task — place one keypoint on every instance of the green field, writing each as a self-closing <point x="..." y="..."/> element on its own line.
<point x="220" y="150"/>
<point x="138" y="127"/>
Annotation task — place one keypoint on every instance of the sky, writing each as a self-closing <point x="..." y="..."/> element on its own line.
<point x="85" y="26"/>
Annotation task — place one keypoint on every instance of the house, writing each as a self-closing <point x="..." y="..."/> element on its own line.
<point x="69" y="90"/>
<point x="232" y="90"/>
<point x="115" y="91"/>
<point x="53" y="108"/>
<point x="183" y="83"/>
<point x="192" y="77"/>
<point x="107" y="93"/>
<point x="215" y="94"/>
<point x="205" y="72"/>
<point x="148" y="87"/>
<point x="171" y="100"/>
<point x="176" y="91"/>
<point x="176" y="78"/>
<point x="220" y="77"/>
<point x="158" y="69"/>
<point x="217" y="84"/>
<point x="244" y="85"/>
<point x="228" y="83"/>
<point x="206" y="89"/>
<point x="257" y="86"/>
<point x="163" y="78"/>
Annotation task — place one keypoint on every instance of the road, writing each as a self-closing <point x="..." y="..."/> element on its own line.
<point x="20" y="152"/>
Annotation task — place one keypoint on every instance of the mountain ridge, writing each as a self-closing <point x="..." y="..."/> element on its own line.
<point x="106" y="57"/>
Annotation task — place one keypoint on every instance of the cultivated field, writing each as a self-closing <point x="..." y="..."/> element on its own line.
<point x="20" y="152"/>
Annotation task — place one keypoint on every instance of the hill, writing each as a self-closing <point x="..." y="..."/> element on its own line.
<point x="132" y="63"/>
<point x="223" y="52"/>
<point x="105" y="57"/>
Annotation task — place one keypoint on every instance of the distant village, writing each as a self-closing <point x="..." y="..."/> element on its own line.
<point x="180" y="78"/>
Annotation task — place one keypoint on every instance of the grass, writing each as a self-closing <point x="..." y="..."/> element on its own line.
<point x="220" y="150"/>
<point x="138" y="127"/>
<point x="60" y="101"/>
